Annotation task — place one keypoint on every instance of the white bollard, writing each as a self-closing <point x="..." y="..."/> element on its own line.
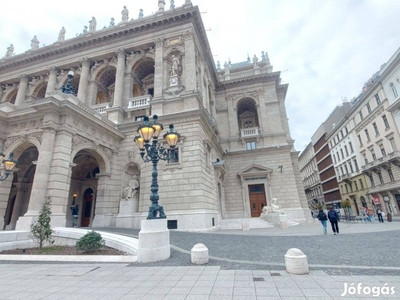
<point x="199" y="254"/>
<point x="296" y="262"/>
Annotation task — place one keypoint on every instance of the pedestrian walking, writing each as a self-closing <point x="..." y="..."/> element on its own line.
<point x="379" y="213"/>
<point x="322" y="218"/>
<point x="334" y="219"/>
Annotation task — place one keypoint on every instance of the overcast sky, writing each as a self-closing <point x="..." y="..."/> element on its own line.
<point x="325" y="49"/>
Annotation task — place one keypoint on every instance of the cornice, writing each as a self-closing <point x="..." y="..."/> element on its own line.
<point x="107" y="36"/>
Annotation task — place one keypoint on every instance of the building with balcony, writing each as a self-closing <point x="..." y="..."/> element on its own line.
<point x="310" y="177"/>
<point x="234" y="155"/>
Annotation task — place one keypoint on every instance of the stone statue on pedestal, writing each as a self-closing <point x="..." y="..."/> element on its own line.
<point x="34" y="43"/>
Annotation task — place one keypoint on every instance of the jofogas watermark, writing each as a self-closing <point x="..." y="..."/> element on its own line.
<point x="361" y="289"/>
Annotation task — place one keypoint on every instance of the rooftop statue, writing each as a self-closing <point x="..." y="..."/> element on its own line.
<point x="10" y="51"/>
<point x="61" y="35"/>
<point x="255" y="60"/>
<point x="226" y="68"/>
<point x="140" y="13"/>
<point x="125" y="14"/>
<point x="34" y="43"/>
<point x="92" y="24"/>
<point x="112" y="23"/>
<point x="172" y="5"/>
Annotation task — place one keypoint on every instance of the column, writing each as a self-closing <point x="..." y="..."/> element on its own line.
<point x="21" y="196"/>
<point x="83" y="81"/>
<point x="119" y="78"/>
<point x="59" y="181"/>
<point x="23" y="86"/>
<point x="232" y="116"/>
<point x="158" y="69"/>
<point x="189" y="71"/>
<point x="1" y="93"/>
<point x="40" y="183"/>
<point x="51" y="84"/>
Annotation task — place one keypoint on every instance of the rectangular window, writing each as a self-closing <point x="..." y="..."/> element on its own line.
<point x="334" y="159"/>
<point x="251" y="145"/>
<point x="361" y="115"/>
<point x="341" y="153"/>
<point x="390" y="173"/>
<point x="369" y="108"/>
<point x="337" y="155"/>
<point x="365" y="158"/>
<point x="380" y="178"/>
<point x="367" y="135"/>
<point x="359" y="140"/>
<point x="378" y="100"/>
<point x="351" y="147"/>
<point x="355" y="184"/>
<point x="373" y="155"/>
<point x="347" y="188"/>
<point x="174" y="155"/>
<point x="347" y="151"/>
<point x="351" y="167"/>
<point x="347" y="131"/>
<point x="385" y="121"/>
<point x="383" y="152"/>
<point x="356" y="165"/>
<point x="375" y="129"/>
<point x="371" y="179"/>
<point x="362" y="184"/>
<point x="345" y="167"/>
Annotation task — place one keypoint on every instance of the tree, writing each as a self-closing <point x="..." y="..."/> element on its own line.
<point x="345" y="204"/>
<point x="40" y="230"/>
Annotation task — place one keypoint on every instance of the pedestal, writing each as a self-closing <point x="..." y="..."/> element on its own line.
<point x="153" y="241"/>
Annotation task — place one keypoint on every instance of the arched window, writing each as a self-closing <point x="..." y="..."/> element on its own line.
<point x="394" y="91"/>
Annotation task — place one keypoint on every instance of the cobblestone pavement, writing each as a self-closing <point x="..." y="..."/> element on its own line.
<point x="365" y="249"/>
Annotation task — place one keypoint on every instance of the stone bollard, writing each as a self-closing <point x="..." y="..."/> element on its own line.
<point x="296" y="262"/>
<point x="245" y="225"/>
<point x="199" y="254"/>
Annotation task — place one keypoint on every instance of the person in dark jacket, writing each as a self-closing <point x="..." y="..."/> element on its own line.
<point x="322" y="218"/>
<point x="334" y="219"/>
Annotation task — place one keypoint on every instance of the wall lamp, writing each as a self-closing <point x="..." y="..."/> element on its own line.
<point x="7" y="165"/>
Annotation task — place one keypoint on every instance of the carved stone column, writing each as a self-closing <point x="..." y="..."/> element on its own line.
<point x="83" y="81"/>
<point x="1" y="92"/>
<point x="119" y="78"/>
<point x="23" y="87"/>
<point x="51" y="84"/>
<point x="41" y="181"/>
<point x="158" y="69"/>
<point x="233" y="120"/>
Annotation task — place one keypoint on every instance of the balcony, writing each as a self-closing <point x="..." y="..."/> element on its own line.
<point x="139" y="102"/>
<point x="249" y="132"/>
<point x="101" y="108"/>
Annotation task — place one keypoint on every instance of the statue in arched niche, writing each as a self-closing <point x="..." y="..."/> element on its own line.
<point x="132" y="189"/>
<point x="175" y="65"/>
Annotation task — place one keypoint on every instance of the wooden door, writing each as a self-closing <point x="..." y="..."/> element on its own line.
<point x="257" y="199"/>
<point x="86" y="210"/>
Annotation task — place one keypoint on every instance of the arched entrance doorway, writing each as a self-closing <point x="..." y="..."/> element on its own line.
<point x="83" y="188"/>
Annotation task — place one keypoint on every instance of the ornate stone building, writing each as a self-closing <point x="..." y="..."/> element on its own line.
<point x="235" y="152"/>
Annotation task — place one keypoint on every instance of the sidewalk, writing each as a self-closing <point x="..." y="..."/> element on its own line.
<point x="244" y="265"/>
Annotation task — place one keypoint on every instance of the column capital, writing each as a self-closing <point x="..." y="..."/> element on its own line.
<point x="23" y="76"/>
<point x="159" y="42"/>
<point x="52" y="69"/>
<point x="120" y="53"/>
<point x="85" y="61"/>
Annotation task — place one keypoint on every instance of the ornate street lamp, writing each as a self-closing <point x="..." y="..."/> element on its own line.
<point x="8" y="165"/>
<point x="152" y="150"/>
<point x="68" y="88"/>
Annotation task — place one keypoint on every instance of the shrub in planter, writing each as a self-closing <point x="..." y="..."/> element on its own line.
<point x="90" y="242"/>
